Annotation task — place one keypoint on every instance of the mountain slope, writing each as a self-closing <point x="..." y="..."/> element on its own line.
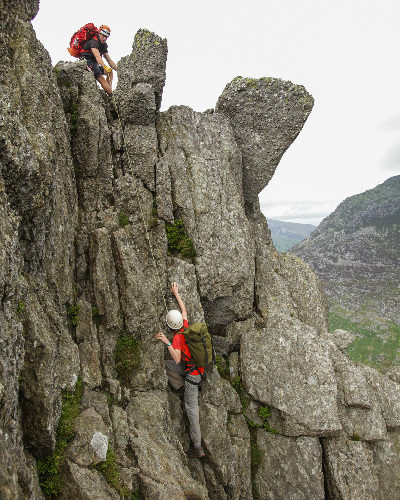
<point x="356" y="253"/>
<point x="286" y="234"/>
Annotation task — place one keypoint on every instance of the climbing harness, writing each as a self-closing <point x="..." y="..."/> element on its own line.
<point x="140" y="204"/>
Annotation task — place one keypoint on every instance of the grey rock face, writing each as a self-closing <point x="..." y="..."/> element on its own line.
<point x="341" y="338"/>
<point x="38" y="216"/>
<point x="157" y="449"/>
<point x="205" y="171"/>
<point x="360" y="413"/>
<point x="280" y="473"/>
<point x="386" y="459"/>
<point x="394" y="374"/>
<point x="147" y="63"/>
<point x="349" y="466"/>
<point x="227" y="439"/>
<point x="84" y="286"/>
<point x="266" y="116"/>
<point x="304" y="390"/>
<point x="86" y="484"/>
<point x="90" y="443"/>
<point x="388" y="396"/>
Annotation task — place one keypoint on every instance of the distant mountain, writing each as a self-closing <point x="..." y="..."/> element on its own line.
<point x="286" y="234"/>
<point x="356" y="253"/>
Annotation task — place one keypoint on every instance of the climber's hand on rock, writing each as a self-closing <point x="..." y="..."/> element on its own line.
<point x="174" y="288"/>
<point x="162" y="337"/>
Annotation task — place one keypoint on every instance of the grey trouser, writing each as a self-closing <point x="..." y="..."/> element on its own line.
<point x="176" y="378"/>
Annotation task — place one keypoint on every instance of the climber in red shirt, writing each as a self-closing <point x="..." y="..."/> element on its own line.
<point x="181" y="374"/>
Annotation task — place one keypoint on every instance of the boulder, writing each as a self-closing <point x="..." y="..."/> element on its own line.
<point x="349" y="469"/>
<point x="287" y="467"/>
<point x="266" y="116"/>
<point x="86" y="484"/>
<point x="287" y="366"/>
<point x="90" y="444"/>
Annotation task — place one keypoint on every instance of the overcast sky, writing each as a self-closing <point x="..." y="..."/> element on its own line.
<point x="346" y="54"/>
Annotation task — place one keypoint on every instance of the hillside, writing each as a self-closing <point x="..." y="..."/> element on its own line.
<point x="356" y="253"/>
<point x="286" y="234"/>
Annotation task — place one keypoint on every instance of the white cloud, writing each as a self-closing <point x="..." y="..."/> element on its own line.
<point x="299" y="211"/>
<point x="391" y="160"/>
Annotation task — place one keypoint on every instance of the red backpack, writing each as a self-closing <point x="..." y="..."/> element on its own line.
<point x="81" y="36"/>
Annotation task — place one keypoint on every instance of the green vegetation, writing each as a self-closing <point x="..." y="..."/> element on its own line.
<point x="143" y="38"/>
<point x="264" y="413"/>
<point x="222" y="366"/>
<point x="96" y="317"/>
<point x="237" y="384"/>
<point x="49" y="468"/>
<point x="127" y="356"/>
<point x="355" y="437"/>
<point x="287" y="234"/>
<point x="73" y="313"/>
<point x="110" y="470"/>
<point x="255" y="460"/>
<point x="20" y="308"/>
<point x="123" y="219"/>
<point x="179" y="242"/>
<point x="255" y="454"/>
<point x="376" y="347"/>
<point x="154" y="214"/>
<point x="252" y="82"/>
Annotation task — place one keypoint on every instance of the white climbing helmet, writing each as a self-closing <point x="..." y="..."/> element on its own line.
<point x="174" y="319"/>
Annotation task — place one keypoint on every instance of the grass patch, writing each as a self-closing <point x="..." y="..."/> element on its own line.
<point x="222" y="366"/>
<point x="50" y="478"/>
<point x="237" y="384"/>
<point x="378" y="348"/>
<point x="123" y="219"/>
<point x="264" y="412"/>
<point x="126" y="356"/>
<point x="73" y="313"/>
<point x="178" y="241"/>
<point x="20" y="308"/>
<point x="255" y="454"/>
<point x="110" y="471"/>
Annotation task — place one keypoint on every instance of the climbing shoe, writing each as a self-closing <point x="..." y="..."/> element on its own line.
<point x="196" y="452"/>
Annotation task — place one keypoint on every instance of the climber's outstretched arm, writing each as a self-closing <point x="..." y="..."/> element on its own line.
<point x="174" y="290"/>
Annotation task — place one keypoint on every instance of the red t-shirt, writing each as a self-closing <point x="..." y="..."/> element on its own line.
<point x="179" y="342"/>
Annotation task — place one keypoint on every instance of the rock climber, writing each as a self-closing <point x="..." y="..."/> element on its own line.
<point x="177" y="370"/>
<point x="93" y="51"/>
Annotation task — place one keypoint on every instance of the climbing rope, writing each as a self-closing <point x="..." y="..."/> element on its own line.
<point x="140" y="204"/>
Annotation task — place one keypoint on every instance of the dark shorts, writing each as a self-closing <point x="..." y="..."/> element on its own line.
<point x="94" y="67"/>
